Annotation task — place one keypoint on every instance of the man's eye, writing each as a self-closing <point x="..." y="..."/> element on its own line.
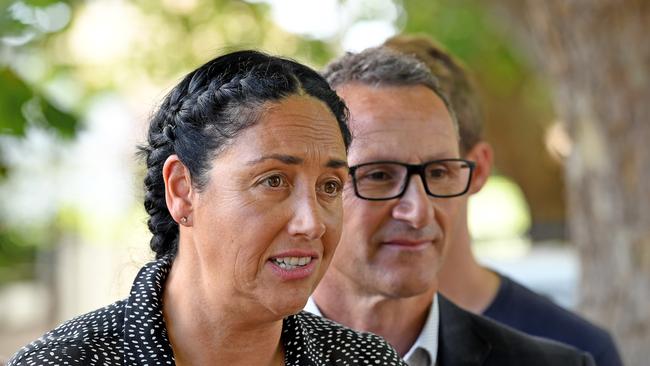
<point x="377" y="176"/>
<point x="438" y="173"/>
<point x="274" y="181"/>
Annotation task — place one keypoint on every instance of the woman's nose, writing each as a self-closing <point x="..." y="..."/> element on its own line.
<point x="306" y="220"/>
<point x="414" y="207"/>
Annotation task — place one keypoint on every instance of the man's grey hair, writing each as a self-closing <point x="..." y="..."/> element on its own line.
<point x="381" y="66"/>
<point x="454" y="78"/>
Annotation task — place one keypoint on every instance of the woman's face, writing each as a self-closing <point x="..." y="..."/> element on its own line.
<point x="265" y="226"/>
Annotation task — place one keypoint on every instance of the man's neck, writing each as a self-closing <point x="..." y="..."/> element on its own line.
<point x="398" y="320"/>
<point x="463" y="280"/>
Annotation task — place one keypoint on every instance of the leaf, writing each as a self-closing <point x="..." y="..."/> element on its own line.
<point x="17" y="98"/>
<point x="14" y="93"/>
<point x="63" y="122"/>
<point x="42" y="3"/>
<point x="8" y="25"/>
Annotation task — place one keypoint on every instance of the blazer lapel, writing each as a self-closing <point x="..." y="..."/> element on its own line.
<point x="460" y="344"/>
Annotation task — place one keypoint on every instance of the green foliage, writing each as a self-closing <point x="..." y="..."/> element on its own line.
<point x="19" y="102"/>
<point x="467" y="29"/>
<point x="9" y="25"/>
<point x="17" y="256"/>
<point x="41" y="3"/>
<point x="64" y="123"/>
<point x="23" y="104"/>
<point x="13" y="96"/>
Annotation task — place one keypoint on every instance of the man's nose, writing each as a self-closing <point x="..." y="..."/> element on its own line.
<point x="415" y="206"/>
<point x="307" y="220"/>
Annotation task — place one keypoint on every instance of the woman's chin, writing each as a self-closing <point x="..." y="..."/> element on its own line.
<point x="288" y="305"/>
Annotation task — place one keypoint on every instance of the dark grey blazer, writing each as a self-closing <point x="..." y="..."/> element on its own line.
<point x="469" y="339"/>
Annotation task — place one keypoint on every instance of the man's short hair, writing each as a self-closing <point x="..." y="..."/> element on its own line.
<point x="381" y="66"/>
<point x="454" y="81"/>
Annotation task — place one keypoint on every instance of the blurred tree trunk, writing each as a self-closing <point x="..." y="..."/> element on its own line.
<point x="597" y="54"/>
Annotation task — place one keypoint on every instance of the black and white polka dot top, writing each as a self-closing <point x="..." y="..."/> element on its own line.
<point x="132" y="332"/>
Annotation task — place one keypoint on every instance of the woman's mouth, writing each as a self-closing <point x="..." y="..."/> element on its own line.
<point x="290" y="263"/>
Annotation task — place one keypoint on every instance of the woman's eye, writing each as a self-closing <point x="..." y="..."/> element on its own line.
<point x="274" y="181"/>
<point x="332" y="187"/>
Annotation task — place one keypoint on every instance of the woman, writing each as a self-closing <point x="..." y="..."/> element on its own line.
<point x="246" y="161"/>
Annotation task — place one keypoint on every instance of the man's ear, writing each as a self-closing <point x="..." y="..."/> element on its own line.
<point x="178" y="190"/>
<point x="483" y="156"/>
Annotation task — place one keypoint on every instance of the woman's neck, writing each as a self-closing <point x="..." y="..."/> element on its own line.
<point x="203" y="330"/>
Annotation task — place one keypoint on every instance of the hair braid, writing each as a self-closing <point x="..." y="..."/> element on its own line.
<point x="160" y="145"/>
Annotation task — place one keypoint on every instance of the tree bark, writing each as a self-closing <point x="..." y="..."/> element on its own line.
<point x="597" y="55"/>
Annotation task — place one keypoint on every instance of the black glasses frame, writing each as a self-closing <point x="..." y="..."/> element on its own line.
<point x="411" y="169"/>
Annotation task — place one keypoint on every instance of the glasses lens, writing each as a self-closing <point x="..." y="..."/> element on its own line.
<point x="447" y="177"/>
<point x="381" y="180"/>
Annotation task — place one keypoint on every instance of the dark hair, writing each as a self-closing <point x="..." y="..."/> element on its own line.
<point x="206" y="110"/>
<point x="377" y="66"/>
<point x="455" y="82"/>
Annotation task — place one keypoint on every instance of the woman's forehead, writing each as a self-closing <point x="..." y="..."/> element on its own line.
<point x="297" y="126"/>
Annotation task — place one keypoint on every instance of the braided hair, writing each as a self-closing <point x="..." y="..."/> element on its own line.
<point x="207" y="110"/>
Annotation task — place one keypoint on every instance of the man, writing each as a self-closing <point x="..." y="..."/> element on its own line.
<point x="462" y="279"/>
<point x="401" y="206"/>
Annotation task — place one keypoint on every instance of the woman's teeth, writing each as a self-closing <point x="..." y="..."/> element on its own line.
<point x="291" y="262"/>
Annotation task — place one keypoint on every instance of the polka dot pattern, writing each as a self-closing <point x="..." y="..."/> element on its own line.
<point x="132" y="332"/>
<point x="312" y="340"/>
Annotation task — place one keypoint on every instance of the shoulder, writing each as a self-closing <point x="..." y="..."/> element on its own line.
<point x="94" y="338"/>
<point x="333" y="344"/>
<point x="508" y="343"/>
<point x="499" y="344"/>
<point x="523" y="309"/>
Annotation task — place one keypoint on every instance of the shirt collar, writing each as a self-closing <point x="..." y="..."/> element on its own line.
<point x="428" y="338"/>
<point x="145" y="334"/>
<point x="312" y="307"/>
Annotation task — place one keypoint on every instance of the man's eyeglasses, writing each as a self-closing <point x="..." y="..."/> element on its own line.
<point x="385" y="180"/>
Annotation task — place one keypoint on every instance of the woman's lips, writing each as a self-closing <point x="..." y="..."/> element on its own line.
<point x="294" y="264"/>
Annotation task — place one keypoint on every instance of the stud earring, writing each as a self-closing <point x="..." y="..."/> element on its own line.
<point x="183" y="220"/>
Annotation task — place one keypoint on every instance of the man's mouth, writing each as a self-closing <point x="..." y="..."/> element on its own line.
<point x="407" y="243"/>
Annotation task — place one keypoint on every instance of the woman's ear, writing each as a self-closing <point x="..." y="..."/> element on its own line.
<point x="483" y="156"/>
<point x="178" y="190"/>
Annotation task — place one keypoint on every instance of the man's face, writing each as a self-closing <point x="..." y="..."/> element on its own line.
<point x="396" y="247"/>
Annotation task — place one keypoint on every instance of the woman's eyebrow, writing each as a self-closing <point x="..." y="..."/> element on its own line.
<point x="336" y="163"/>
<point x="294" y="160"/>
<point x="287" y="159"/>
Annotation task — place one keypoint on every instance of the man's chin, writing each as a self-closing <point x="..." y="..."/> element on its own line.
<point x="402" y="288"/>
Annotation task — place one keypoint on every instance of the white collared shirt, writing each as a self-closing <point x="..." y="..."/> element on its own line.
<point x="424" y="351"/>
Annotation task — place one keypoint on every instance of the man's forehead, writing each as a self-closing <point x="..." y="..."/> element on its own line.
<point x="408" y="141"/>
<point x="406" y="144"/>
<point x="374" y="107"/>
<point x="393" y="102"/>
